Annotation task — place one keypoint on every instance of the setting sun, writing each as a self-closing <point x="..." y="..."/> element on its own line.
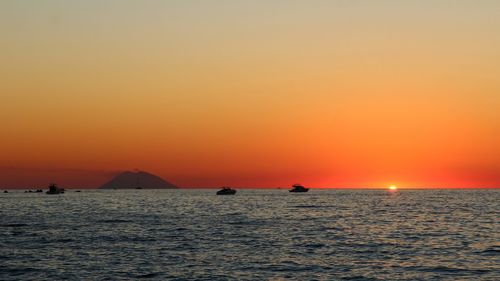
<point x="393" y="187"/>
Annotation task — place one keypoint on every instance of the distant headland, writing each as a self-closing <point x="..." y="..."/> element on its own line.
<point x="137" y="180"/>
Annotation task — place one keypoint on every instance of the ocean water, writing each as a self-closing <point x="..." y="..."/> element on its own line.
<point x="254" y="235"/>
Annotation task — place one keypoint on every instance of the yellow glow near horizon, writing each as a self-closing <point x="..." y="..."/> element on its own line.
<point x="393" y="187"/>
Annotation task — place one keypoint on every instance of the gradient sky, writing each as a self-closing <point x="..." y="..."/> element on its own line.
<point x="251" y="93"/>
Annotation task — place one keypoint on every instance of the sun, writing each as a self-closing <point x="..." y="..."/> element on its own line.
<point x="393" y="187"/>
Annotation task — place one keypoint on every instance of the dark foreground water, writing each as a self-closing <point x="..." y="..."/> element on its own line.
<point x="254" y="235"/>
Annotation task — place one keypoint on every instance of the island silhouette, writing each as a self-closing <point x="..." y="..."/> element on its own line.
<point x="137" y="180"/>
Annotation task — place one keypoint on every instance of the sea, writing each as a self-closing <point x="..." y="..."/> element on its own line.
<point x="193" y="234"/>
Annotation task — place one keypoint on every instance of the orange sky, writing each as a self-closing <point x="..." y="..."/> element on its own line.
<point x="251" y="93"/>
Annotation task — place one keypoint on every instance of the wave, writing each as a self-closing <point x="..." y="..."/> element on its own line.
<point x="14" y="225"/>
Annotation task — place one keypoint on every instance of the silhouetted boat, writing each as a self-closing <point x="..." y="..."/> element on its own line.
<point x="53" y="189"/>
<point x="226" y="191"/>
<point x="38" y="191"/>
<point x="5" y="191"/>
<point x="298" y="188"/>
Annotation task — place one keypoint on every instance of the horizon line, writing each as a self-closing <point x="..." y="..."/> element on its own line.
<point x="250" y="187"/>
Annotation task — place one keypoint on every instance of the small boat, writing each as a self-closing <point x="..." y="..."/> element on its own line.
<point x="226" y="191"/>
<point x="53" y="189"/>
<point x="5" y="191"/>
<point x="298" y="188"/>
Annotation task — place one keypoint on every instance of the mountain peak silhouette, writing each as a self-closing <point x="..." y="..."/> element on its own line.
<point x="137" y="179"/>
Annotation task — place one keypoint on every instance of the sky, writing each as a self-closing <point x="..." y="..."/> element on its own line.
<point x="342" y="93"/>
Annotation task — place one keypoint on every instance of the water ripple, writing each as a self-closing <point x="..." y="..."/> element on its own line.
<point x="254" y="235"/>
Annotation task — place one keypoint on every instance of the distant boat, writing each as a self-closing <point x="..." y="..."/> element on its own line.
<point x="53" y="189"/>
<point x="5" y="191"/>
<point x="298" y="188"/>
<point x="226" y="191"/>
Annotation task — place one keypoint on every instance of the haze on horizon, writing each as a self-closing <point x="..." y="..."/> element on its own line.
<point x="251" y="93"/>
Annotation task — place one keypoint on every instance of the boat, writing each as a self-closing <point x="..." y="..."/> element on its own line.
<point x="53" y="189"/>
<point x="226" y="191"/>
<point x="298" y="188"/>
